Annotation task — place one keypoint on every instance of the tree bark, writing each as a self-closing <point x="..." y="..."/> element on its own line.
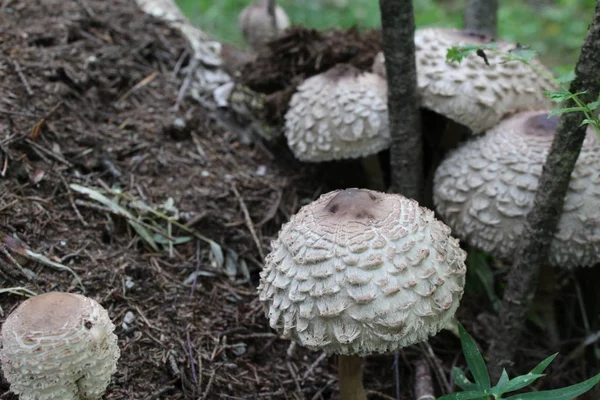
<point x="271" y="10"/>
<point x="406" y="153"/>
<point x="543" y="219"/>
<point x="481" y="16"/>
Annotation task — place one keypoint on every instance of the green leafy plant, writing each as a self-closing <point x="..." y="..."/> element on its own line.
<point x="480" y="276"/>
<point x="525" y="56"/>
<point x="144" y="219"/>
<point x="481" y="388"/>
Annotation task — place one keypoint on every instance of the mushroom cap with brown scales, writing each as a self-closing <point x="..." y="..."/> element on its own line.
<point x="471" y="92"/>
<point x="257" y="25"/>
<point x="485" y="189"/>
<point x="338" y="114"/>
<point x="59" y="346"/>
<point x="358" y="272"/>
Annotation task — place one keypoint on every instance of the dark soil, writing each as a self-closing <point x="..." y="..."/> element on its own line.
<point x="87" y="95"/>
<point x="301" y="53"/>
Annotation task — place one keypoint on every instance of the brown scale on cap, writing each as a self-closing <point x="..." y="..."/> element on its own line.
<point x="357" y="204"/>
<point x="341" y="71"/>
<point x="47" y="312"/>
<point x="541" y="125"/>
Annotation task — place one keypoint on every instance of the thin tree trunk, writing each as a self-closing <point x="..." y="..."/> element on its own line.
<point x="543" y="219"/>
<point x="271" y="11"/>
<point x="406" y="153"/>
<point x="481" y="16"/>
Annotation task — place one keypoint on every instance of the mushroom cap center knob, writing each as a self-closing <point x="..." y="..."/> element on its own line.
<point x="356" y="204"/>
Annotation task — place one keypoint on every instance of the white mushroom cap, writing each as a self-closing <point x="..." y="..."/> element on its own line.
<point x="359" y="271"/>
<point x="59" y="346"/>
<point x="485" y="189"/>
<point x="470" y="92"/>
<point x="339" y="114"/>
<point x="257" y="25"/>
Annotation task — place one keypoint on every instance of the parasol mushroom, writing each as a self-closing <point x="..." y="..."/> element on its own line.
<point x="359" y="272"/>
<point x="261" y="22"/>
<point x="340" y="114"/>
<point x="479" y="91"/>
<point x="485" y="189"/>
<point x="59" y="346"/>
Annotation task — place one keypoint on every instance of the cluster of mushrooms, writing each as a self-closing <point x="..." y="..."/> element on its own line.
<point x="360" y="271"/>
<point x="364" y="293"/>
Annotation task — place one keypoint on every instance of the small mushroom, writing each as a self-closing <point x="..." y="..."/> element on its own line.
<point x="359" y="272"/>
<point x="261" y="22"/>
<point x="340" y="114"/>
<point x="485" y="189"/>
<point x="59" y="346"/>
<point x="477" y="92"/>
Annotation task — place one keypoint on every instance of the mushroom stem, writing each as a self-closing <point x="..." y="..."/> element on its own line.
<point x="351" y="385"/>
<point x="373" y="171"/>
<point x="545" y="300"/>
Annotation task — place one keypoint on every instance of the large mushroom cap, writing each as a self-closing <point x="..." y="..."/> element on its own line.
<point x="59" y="346"/>
<point x="339" y="114"/>
<point x="359" y="271"/>
<point x="258" y="26"/>
<point x="485" y="189"/>
<point x="470" y="92"/>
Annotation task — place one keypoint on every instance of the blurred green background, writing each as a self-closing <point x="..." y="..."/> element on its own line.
<point x="554" y="28"/>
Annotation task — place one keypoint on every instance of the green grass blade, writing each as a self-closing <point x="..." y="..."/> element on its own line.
<point x="117" y="209"/>
<point x="474" y="360"/>
<point x="461" y="380"/>
<point x="464" y="396"/>
<point x="520" y="382"/>
<point x="503" y="378"/>
<point x="568" y="393"/>
<point x="144" y="234"/>
<point x="541" y="367"/>
<point x="478" y="264"/>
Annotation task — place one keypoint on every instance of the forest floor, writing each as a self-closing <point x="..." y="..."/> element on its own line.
<point x="88" y="97"/>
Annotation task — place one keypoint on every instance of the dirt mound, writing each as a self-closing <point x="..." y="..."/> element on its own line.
<point x="87" y="97"/>
<point x="301" y="53"/>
